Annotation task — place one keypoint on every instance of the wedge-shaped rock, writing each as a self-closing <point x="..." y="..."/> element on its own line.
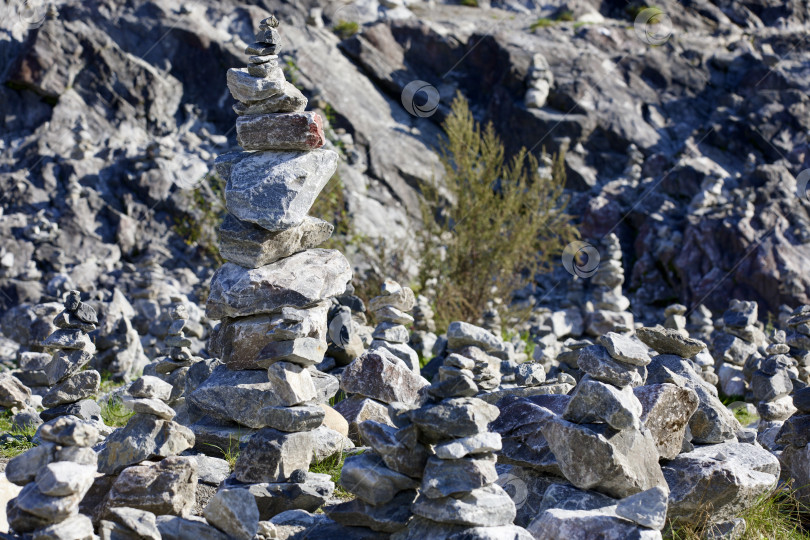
<point x="380" y="375"/>
<point x="453" y="418"/>
<point x="252" y="246"/>
<point x="247" y="88"/>
<point x="727" y="478"/>
<point x="389" y="517"/>
<point x="489" y="506"/>
<point x="282" y="131"/>
<point x="237" y="396"/>
<point x="275" y="190"/>
<point x="595" y="456"/>
<point x="164" y="487"/>
<point x="74" y="388"/>
<point x="272" y="456"/>
<point x="446" y="477"/>
<point x="145" y="436"/>
<point x="291" y="382"/>
<point x="289" y="99"/>
<point x="64" y="478"/>
<point x="669" y="341"/>
<point x="66" y="363"/>
<point x="13" y="393"/>
<point x="595" y="401"/>
<point x="460" y="334"/>
<point x="234" y="512"/>
<point x="480" y="443"/>
<point x="193" y="528"/>
<point x="399" y="448"/>
<point x="666" y="412"/>
<point x="357" y="409"/>
<point x="299" y="281"/>
<point x="597" y="362"/>
<point x="647" y="508"/>
<point x="366" y="476"/>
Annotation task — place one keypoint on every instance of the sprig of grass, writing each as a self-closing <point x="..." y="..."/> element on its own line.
<point x="114" y="413"/>
<point x="346" y="29"/>
<point x="15" y="440"/>
<point x="333" y="465"/>
<point x="230" y="454"/>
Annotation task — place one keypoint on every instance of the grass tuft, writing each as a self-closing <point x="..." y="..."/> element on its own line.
<point x="346" y="29"/>
<point x="230" y="454"/>
<point x="115" y="413"/>
<point x="14" y="441"/>
<point x="333" y="465"/>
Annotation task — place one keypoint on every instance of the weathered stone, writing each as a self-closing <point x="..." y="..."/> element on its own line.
<point x="145" y="436"/>
<point x="272" y="456"/>
<point x="668" y="341"/>
<point x="459" y="386"/>
<point x="52" y="509"/>
<point x="625" y="349"/>
<point x="770" y="387"/>
<point x="460" y="334"/>
<point x="357" y="409"/>
<point x="366" y="476"/>
<point x="85" y="409"/>
<point x="22" y="469"/>
<point x="391" y="332"/>
<point x="277" y="497"/>
<point x="597" y="362"/>
<point x="401" y="351"/>
<point x="280" y="131"/>
<point x="291" y="383"/>
<point x="399" y="448"/>
<point x="727" y="478"/>
<point x="21" y="521"/>
<point x="247" y="88"/>
<point x="479" y="443"/>
<point x="78" y="527"/>
<point x="595" y="401"/>
<point x="488" y="506"/>
<point x="389" y="517"/>
<point x="298" y="281"/>
<point x="379" y="375"/>
<point x="234" y="512"/>
<point x="453" y="418"/>
<point x="795" y="431"/>
<point x="595" y="456"/>
<point x="275" y="190"/>
<point x="289" y="99"/>
<point x="74" y="388"/>
<point x="326" y="386"/>
<point x="64" y="478"/>
<point x="66" y="363"/>
<point x="148" y="387"/>
<point x="140" y="523"/>
<point x="647" y="508"/>
<point x="586" y="524"/>
<point x="446" y="477"/>
<point x="777" y="410"/>
<point x="190" y="528"/>
<point x="291" y="419"/>
<point x="13" y="393"/>
<point x="164" y="487"/>
<point x="801" y="399"/>
<point x="151" y="406"/>
<point x="401" y="298"/>
<point x="302" y="351"/>
<point x="69" y="431"/>
<point x="666" y="410"/>
<point x="72" y="339"/>
<point x="252" y="246"/>
<point x="530" y="374"/>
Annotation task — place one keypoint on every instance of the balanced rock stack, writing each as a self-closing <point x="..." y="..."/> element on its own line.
<point x="795" y="436"/>
<point x="771" y="385"/>
<point x="482" y="348"/>
<point x="150" y="433"/>
<point x="173" y="368"/>
<point x="458" y="495"/>
<point x="610" y="305"/>
<point x="391" y="312"/>
<point x="73" y="349"/>
<point x="736" y="347"/>
<point x="799" y="340"/>
<point x="423" y="337"/>
<point x="273" y="294"/>
<point x="675" y="317"/>
<point x="55" y="477"/>
<point x="600" y="441"/>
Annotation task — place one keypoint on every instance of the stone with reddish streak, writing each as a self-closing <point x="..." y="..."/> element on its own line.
<point x="282" y="131"/>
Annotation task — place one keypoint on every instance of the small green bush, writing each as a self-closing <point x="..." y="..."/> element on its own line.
<point x="565" y="16"/>
<point x="504" y="222"/>
<point x="346" y="29"/>
<point x="469" y="3"/>
<point x="541" y="23"/>
<point x="18" y="440"/>
<point x="114" y="413"/>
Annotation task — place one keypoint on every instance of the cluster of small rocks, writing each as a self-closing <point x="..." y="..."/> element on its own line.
<point x="607" y="310"/>
<point x="55" y="476"/>
<point x="423" y="336"/>
<point x="390" y="310"/>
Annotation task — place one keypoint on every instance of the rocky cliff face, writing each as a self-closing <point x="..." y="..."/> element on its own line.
<point x="688" y="146"/>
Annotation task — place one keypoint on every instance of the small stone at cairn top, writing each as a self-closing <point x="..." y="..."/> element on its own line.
<point x="273" y="294"/>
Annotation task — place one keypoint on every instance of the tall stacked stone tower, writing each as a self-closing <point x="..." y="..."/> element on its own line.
<point x="274" y="293"/>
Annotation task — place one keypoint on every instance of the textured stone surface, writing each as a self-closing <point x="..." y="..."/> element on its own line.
<point x="728" y="478"/>
<point x="165" y="487"/>
<point x="289" y="99"/>
<point x="234" y="512"/>
<point x="277" y="497"/>
<point x="453" y="418"/>
<point x="666" y="410"/>
<point x="399" y="448"/>
<point x="283" y="131"/>
<point x="647" y="508"/>
<point x="297" y="281"/>
<point x="252" y="246"/>
<point x="51" y="509"/>
<point x="145" y="436"/>
<point x="64" y="478"/>
<point x="275" y="190"/>
<point x="479" y="443"/>
<point x="366" y="476"/>
<point x="625" y="349"/>
<point x="594" y="456"/>
<point x="587" y="524"/>
<point x="460" y="334"/>
<point x="379" y="375"/>
<point x="597" y="362"/>
<point x="65" y="364"/>
<point x="272" y="456"/>
<point x="69" y="431"/>
<point x="291" y="383"/>
<point x="149" y="386"/>
<point x="446" y="477"/>
<point x="247" y="88"/>
<point x="388" y="518"/>
<point x="290" y="419"/>
<point x="357" y="409"/>
<point x="595" y="401"/>
<point x="74" y="388"/>
<point x="78" y="527"/>
<point x="133" y="521"/>
<point x="191" y="528"/>
<point x="488" y="506"/>
<point x="23" y="468"/>
<point x="669" y="341"/>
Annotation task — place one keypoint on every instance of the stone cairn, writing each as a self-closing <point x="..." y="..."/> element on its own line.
<point x="674" y="317"/>
<point x="273" y="294"/>
<point x="55" y="477"/>
<point x="423" y="337"/>
<point x="771" y="385"/>
<point x="72" y="349"/>
<point x="736" y="348"/>
<point x="609" y="303"/>
<point x="151" y="433"/>
<point x="798" y="339"/>
<point x="390" y="310"/>
<point x="794" y="436"/>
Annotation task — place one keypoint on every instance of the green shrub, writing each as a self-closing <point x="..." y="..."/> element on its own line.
<point x="206" y="210"/>
<point x="505" y="221"/>
<point x="565" y="16"/>
<point x="16" y="440"/>
<point x="469" y="3"/>
<point x="114" y="413"/>
<point x="541" y="23"/>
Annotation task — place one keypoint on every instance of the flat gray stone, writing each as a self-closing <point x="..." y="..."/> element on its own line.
<point x="66" y="363"/>
<point x="489" y="506"/>
<point x="163" y="487"/>
<point x="453" y="418"/>
<point x="23" y="468"/>
<point x="64" y="478"/>
<point x="272" y="456"/>
<point x="399" y="448"/>
<point x="291" y="419"/>
<point x="289" y="99"/>
<point x="446" y="477"/>
<point x="595" y="401"/>
<point x="234" y="512"/>
<point x="597" y="362"/>
<point x="145" y="436"/>
<point x="74" y="388"/>
<point x="69" y="431"/>
<point x="152" y="387"/>
<point x="247" y="88"/>
<point x="367" y="477"/>
<point x="78" y="527"/>
<point x="625" y="349"/>
<point x="190" y="528"/>
<point x="52" y="509"/>
<point x="378" y="374"/>
<point x="300" y="280"/>
<point x="291" y="383"/>
<point x="668" y="341"/>
<point x="389" y="517"/>
<point x="647" y="508"/>
<point x="666" y="411"/>
<point x="480" y="443"/>
<point x="141" y="523"/>
<point x="151" y="406"/>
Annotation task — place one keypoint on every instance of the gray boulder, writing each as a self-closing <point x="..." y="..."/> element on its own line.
<point x="234" y="512"/>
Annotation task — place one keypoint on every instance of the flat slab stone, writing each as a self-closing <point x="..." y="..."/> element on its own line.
<point x="389" y="517"/>
<point x="272" y="456"/>
<point x="488" y="506"/>
<point x="666" y="410"/>
<point x="299" y="281"/>
<point x="281" y="131"/>
<point x="273" y="498"/>
<point x="275" y="190"/>
<point x="625" y="349"/>
<point x="247" y="88"/>
<point x="453" y="418"/>
<point x="378" y="374"/>
<point x="76" y="387"/>
<point x="252" y="246"/>
<point x="669" y="341"/>
<point x="289" y="99"/>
